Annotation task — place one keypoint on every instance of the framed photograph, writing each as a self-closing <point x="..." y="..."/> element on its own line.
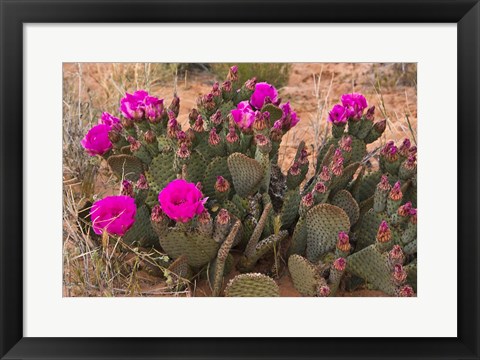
<point x="238" y="179"/>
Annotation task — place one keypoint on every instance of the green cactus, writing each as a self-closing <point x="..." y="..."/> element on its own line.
<point x="161" y="171"/>
<point x="126" y="166"/>
<point x="247" y="174"/>
<point x="141" y="233"/>
<point x="252" y="285"/>
<point x="345" y="201"/>
<point x="305" y="275"/>
<point x="324" y="222"/>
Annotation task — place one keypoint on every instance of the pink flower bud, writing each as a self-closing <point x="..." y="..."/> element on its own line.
<point x="339" y="264"/>
<point x="198" y="125"/>
<point x="337" y="167"/>
<point x="127" y="188"/>
<point x="250" y="84"/>
<point x="223" y="217"/>
<point x="204" y="217"/>
<point x="216" y="118"/>
<point x="320" y="187"/>
<point x="343" y="243"/>
<point x="233" y="73"/>
<point x="307" y="200"/>
<point x="370" y="115"/>
<point x="380" y="126"/>
<point x="227" y="86"/>
<point x="396" y="192"/>
<point x="149" y="137"/>
<point x="406" y="291"/>
<point x="384" y="234"/>
<point x="134" y="143"/>
<point x="384" y="185"/>
<point x="295" y="169"/>
<point x="157" y="214"/>
<point x="213" y="138"/>
<point x="325" y="174"/>
<point x="193" y="115"/>
<point x="399" y="274"/>
<point x="183" y="152"/>
<point x="404" y="210"/>
<point x="216" y="89"/>
<point x="222" y="184"/>
<point x="345" y="143"/>
<point x="405" y="147"/>
<point x="142" y="182"/>
<point x="323" y="291"/>
<point x="232" y="136"/>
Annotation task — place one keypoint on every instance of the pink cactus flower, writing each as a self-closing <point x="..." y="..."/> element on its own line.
<point x="263" y="90"/>
<point x="181" y="200"/>
<point x="110" y="120"/>
<point x="338" y="115"/>
<point x="96" y="141"/>
<point x="113" y="214"/>
<point x="243" y="115"/>
<point x="354" y="105"/>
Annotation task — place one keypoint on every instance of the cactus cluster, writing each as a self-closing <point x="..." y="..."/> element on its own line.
<point x="214" y="188"/>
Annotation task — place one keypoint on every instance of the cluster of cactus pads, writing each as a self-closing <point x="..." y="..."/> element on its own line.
<point x="342" y="228"/>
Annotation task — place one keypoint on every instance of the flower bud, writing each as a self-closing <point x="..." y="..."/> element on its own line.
<point x="259" y="124"/>
<point x="172" y="128"/>
<point x="384" y="185"/>
<point x="404" y="210"/>
<point x="323" y="291"/>
<point x="134" y="143"/>
<point x="233" y="73"/>
<point x="390" y="152"/>
<point x="127" y="188"/>
<point x="411" y="163"/>
<point x="216" y="89"/>
<point x="142" y="183"/>
<point x="340" y="264"/>
<point x="320" y="188"/>
<point x="227" y="86"/>
<point x="380" y="126"/>
<point x="175" y="105"/>
<point x="396" y="256"/>
<point x="295" y="169"/>
<point x="263" y="143"/>
<point x="193" y="115"/>
<point x="183" y="152"/>
<point x="406" y="291"/>
<point x="222" y="185"/>
<point x="223" y="217"/>
<point x="345" y="143"/>
<point x="384" y="234"/>
<point x="325" y="174"/>
<point x="370" y="115"/>
<point x="404" y="149"/>
<point x="250" y="84"/>
<point x="216" y="118"/>
<point x="307" y="200"/>
<point x="396" y="192"/>
<point x="157" y="214"/>
<point x="337" y="167"/>
<point x="204" y="217"/>
<point x="303" y="158"/>
<point x="399" y="274"/>
<point x="413" y="216"/>
<point x="343" y="243"/>
<point x="213" y="138"/>
<point x="337" y="155"/>
<point x="149" y="137"/>
<point x="198" y="125"/>
<point x="232" y="136"/>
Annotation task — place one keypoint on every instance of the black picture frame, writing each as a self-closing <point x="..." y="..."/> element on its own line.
<point x="15" y="13"/>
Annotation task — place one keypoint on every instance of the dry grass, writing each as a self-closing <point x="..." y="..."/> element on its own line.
<point x="103" y="267"/>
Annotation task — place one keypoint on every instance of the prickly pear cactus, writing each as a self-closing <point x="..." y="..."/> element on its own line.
<point x="252" y="285"/>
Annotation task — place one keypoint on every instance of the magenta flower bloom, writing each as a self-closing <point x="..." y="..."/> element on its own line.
<point x="96" y="141"/>
<point x="181" y="200"/>
<point x="243" y="115"/>
<point x="262" y="90"/>
<point x="354" y="104"/>
<point x="153" y="108"/>
<point x="113" y="214"/>
<point x="338" y="115"/>
<point x="110" y="120"/>
<point x="132" y="106"/>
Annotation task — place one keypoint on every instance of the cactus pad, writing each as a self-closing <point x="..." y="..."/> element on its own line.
<point x="344" y="200"/>
<point x="275" y="112"/>
<point x="252" y="285"/>
<point x="289" y="212"/>
<point x="125" y="166"/>
<point x="324" y="222"/>
<point x="305" y="276"/>
<point x="141" y="233"/>
<point x="161" y="171"/>
<point x="247" y="173"/>
<point x="372" y="266"/>
<point x="217" y="167"/>
<point x="195" y="167"/>
<point x="198" y="248"/>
